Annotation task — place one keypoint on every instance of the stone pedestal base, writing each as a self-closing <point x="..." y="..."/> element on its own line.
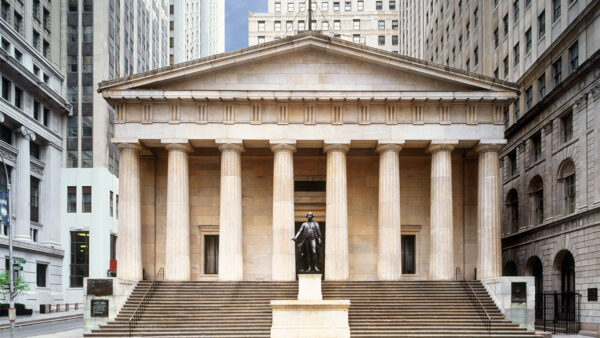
<point x="310" y="318"/>
<point x="310" y="315"/>
<point x="122" y="289"/>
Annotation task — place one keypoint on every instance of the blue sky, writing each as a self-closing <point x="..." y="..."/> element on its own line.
<point x="236" y="21"/>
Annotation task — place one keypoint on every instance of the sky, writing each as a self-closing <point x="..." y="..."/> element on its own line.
<point x="236" y="21"/>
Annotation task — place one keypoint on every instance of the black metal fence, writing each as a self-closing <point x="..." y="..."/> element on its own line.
<point x="560" y="312"/>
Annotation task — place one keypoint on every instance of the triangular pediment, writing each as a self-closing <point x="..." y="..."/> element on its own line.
<point x="308" y="62"/>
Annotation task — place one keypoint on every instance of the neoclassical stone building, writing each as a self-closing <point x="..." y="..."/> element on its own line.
<point x="397" y="158"/>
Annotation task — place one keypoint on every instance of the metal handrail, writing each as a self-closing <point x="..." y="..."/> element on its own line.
<point x="139" y="310"/>
<point x="485" y="316"/>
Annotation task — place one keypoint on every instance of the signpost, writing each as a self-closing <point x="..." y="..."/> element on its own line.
<point x="5" y="219"/>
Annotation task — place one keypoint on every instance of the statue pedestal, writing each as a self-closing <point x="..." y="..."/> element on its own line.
<point x="310" y="315"/>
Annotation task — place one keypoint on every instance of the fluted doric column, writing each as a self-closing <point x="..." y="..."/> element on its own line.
<point x="177" y="250"/>
<point x="129" y="245"/>
<point x="489" y="258"/>
<point x="336" y="239"/>
<point x="389" y="265"/>
<point x="441" y="265"/>
<point x="231" y="259"/>
<point x="284" y="256"/>
<point x="23" y="138"/>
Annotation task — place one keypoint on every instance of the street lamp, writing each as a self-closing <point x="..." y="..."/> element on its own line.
<point x="6" y="210"/>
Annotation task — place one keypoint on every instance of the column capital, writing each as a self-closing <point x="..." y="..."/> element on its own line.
<point x="488" y="147"/>
<point x="26" y="133"/>
<point x="238" y="147"/>
<point x="283" y="145"/>
<point x="341" y="146"/>
<point x="177" y="145"/>
<point x="441" y="145"/>
<point x="133" y="144"/>
<point x="389" y="146"/>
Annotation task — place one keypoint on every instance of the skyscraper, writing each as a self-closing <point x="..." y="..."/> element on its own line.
<point x="374" y="23"/>
<point x="105" y="40"/>
<point x="32" y="110"/>
<point x="197" y="29"/>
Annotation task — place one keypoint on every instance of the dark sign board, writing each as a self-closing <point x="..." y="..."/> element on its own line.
<point x="592" y="294"/>
<point x="99" y="287"/>
<point x="99" y="308"/>
<point x="518" y="292"/>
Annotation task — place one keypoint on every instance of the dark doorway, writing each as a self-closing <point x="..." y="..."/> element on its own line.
<point x="537" y="271"/>
<point x="300" y="262"/>
<point x="567" y="281"/>
<point x="408" y="254"/>
<point x="510" y="269"/>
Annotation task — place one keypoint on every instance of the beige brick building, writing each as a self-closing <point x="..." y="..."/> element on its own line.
<point x="373" y="23"/>
<point x="551" y="193"/>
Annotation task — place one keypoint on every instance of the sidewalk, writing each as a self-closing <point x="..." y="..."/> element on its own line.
<point x="40" y="317"/>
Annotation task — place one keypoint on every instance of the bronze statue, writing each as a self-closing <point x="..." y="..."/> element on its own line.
<point x="310" y="236"/>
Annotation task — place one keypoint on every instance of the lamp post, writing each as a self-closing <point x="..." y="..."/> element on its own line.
<point x="11" y="309"/>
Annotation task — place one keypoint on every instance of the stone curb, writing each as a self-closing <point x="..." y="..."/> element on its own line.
<point x="41" y="321"/>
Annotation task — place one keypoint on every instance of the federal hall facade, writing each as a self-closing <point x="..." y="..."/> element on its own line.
<point x="396" y="157"/>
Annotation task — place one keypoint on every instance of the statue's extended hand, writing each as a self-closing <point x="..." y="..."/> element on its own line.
<point x="293" y="239"/>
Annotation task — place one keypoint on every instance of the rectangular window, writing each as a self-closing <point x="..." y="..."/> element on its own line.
<point x="336" y="6"/>
<point x="475" y="17"/>
<point x="34" y="150"/>
<point x="475" y="57"/>
<point x="34" y="199"/>
<point x="211" y="254"/>
<point x="506" y="117"/>
<point x="360" y="5"/>
<point x="516" y="55"/>
<point x="528" y="98"/>
<point x="80" y="250"/>
<point x="261" y="26"/>
<point x="277" y="26"/>
<point x="302" y="6"/>
<point x="381" y="24"/>
<point x="325" y="6"/>
<point x="6" y="89"/>
<point x="541" y="24"/>
<point x="516" y="10"/>
<point x="569" y="194"/>
<point x="111" y="204"/>
<point x="512" y="158"/>
<point x="356" y="38"/>
<point x="36" y="9"/>
<point x="505" y="24"/>
<point x="337" y="25"/>
<point x="556" y="72"/>
<point x="278" y="7"/>
<point x="33" y="234"/>
<point x="392" y="5"/>
<point x="378" y="5"/>
<point x="87" y="199"/>
<point x="574" y="56"/>
<point x="555" y="10"/>
<point x="348" y="6"/>
<point x="71" y="199"/>
<point x="36" y="39"/>
<point x="40" y="273"/>
<point x="394" y="40"/>
<point x="18" y="24"/>
<point x="18" y="55"/>
<point x="325" y="25"/>
<point x="408" y="254"/>
<point x="541" y="86"/>
<point x="539" y="207"/>
<point x="6" y="137"/>
<point x="567" y="127"/>
<point x="289" y="26"/>
<point x="536" y="147"/>
<point x="381" y="40"/>
<point x="528" y="41"/>
<point x="18" y="97"/>
<point x="5" y="13"/>
<point x="496" y="37"/>
<point x="517" y="109"/>
<point x="6" y="45"/>
<point x="356" y="24"/>
<point x="290" y="7"/>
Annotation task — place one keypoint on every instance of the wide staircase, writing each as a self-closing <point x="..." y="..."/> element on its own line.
<point x="378" y="309"/>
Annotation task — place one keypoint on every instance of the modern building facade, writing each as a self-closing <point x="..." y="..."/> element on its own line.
<point x="382" y="149"/>
<point x="197" y="29"/>
<point x="105" y="40"/>
<point x="374" y="23"/>
<point x="549" y="165"/>
<point x="32" y="112"/>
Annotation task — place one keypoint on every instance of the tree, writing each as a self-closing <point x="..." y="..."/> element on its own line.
<point x="19" y="286"/>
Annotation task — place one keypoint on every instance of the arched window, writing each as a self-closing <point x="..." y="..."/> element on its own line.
<point x="536" y="200"/>
<point x="535" y="269"/>
<point x="510" y="269"/>
<point x="566" y="176"/>
<point x="512" y="209"/>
